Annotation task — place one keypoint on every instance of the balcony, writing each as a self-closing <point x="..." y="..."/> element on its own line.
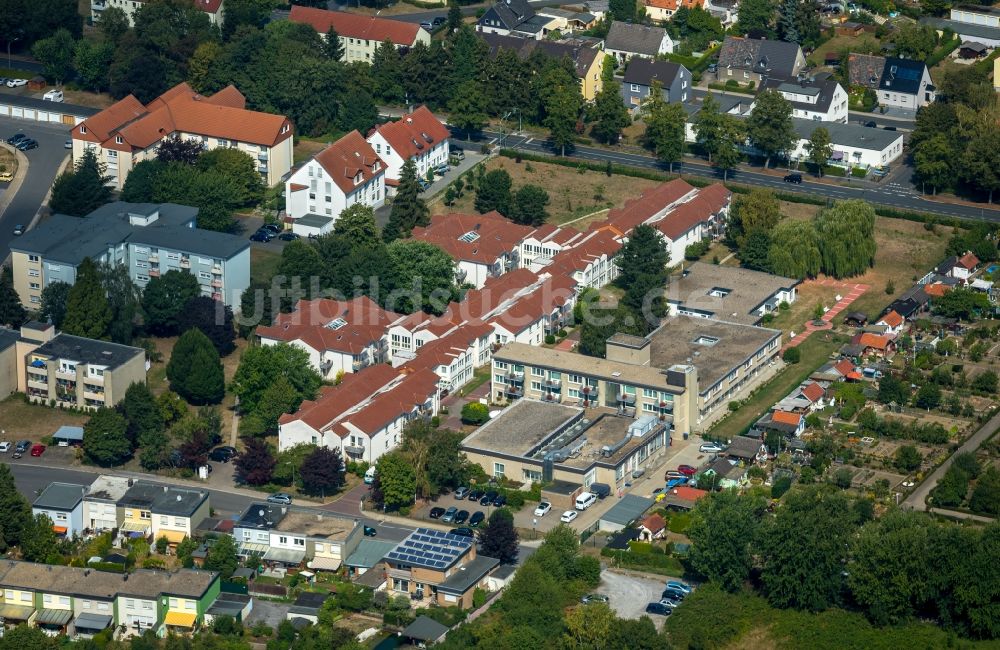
<point x="153" y="273"/>
<point x="262" y="156"/>
<point x="217" y="284"/>
<point x="514" y="375"/>
<point x="154" y="257"/>
<point x="553" y="384"/>
<point x="38" y="384"/>
<point x="514" y="391"/>
<point x="185" y="263"/>
<point x="217" y="270"/>
<point x="262" y="169"/>
<point x="626" y="398"/>
<point x="69" y="375"/>
<point x="589" y="392"/>
<point x="358" y="365"/>
<point x="92" y="396"/>
<point x="95" y="380"/>
<point x="216" y="295"/>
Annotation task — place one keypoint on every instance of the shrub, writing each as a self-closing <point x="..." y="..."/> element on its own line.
<point x="479" y="597"/>
<point x="475" y="413"/>
<point x="792" y="355"/>
<point x="550" y="339"/>
<point x="779" y="487"/>
<point x="679" y="523"/>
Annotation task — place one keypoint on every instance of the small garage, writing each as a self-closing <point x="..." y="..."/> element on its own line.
<point x="628" y="509"/>
<point x="312" y="225"/>
<point x="39" y="110"/>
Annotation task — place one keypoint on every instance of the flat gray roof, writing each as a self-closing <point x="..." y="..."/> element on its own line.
<point x="89" y="351"/>
<point x="468" y="575"/>
<point x="108" y="488"/>
<point x="607" y="429"/>
<point x="190" y="240"/>
<point x="848" y="135"/>
<point x="8" y="337"/>
<point x="627" y="510"/>
<point x="78" y="581"/>
<point x="162" y="499"/>
<point x="313" y="220"/>
<point x="369" y="553"/>
<point x="60" y="496"/>
<point x="963" y="29"/>
<point x="747" y="291"/>
<point x="522" y="426"/>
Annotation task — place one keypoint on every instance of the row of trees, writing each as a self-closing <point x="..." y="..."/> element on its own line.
<point x="786" y="20"/>
<point x="822" y="549"/>
<point x="317" y="471"/>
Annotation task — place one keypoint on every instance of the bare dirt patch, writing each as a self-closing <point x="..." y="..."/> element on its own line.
<point x="20" y="420"/>
<point x="91" y="100"/>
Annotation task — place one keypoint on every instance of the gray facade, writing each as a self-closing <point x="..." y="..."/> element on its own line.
<point x="220" y="277"/>
<point x="674" y="79"/>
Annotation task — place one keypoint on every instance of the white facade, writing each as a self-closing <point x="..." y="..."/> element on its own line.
<point x="622" y="56"/>
<point x="330" y="363"/>
<point x="912" y="101"/>
<point x="856" y="155"/>
<point x="437" y="155"/>
<point x="319" y="194"/>
<point x="71" y="520"/>
<point x="835" y="112"/>
<point x="99" y="515"/>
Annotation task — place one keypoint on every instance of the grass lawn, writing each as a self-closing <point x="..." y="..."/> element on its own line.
<point x="86" y="98"/>
<point x="816" y="350"/>
<point x="18" y="419"/>
<point x="572" y="194"/>
<point x="263" y="265"/>
<point x="306" y="149"/>
<point x="479" y="377"/>
<point x="863" y="43"/>
<point x="8" y="161"/>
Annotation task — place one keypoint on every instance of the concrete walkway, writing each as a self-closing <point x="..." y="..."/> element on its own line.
<point x="918" y="498"/>
<point x="853" y="292"/>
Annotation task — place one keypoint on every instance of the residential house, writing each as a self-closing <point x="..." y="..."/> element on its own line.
<point x="438" y="566"/>
<point x="364" y="416"/>
<point x="893" y="323"/>
<point x="155" y="511"/>
<point x="663" y="10"/>
<point x="567" y="21"/>
<point x="652" y="527"/>
<point x="749" y="59"/>
<point x="854" y="145"/>
<point x="321" y="541"/>
<point x="640" y="75"/>
<point x="873" y="344"/>
<point x="360" y="35"/>
<point x="727" y="11"/>
<point x="148" y="239"/>
<point x="628" y="40"/>
<point x="591" y="263"/>
<point x="786" y="422"/>
<point x="62" y="503"/>
<point x="961" y="268"/>
<point x="345" y="173"/>
<point x="899" y="83"/>
<point x="454" y="357"/>
<point x="819" y="98"/>
<point x="100" y="503"/>
<point x="514" y="18"/>
<point x="544" y="243"/>
<point x="252" y="531"/>
<point x="587" y="58"/>
<point x="483" y="245"/>
<point x="340" y="336"/>
<point x="724" y="475"/>
<point x="682" y="497"/>
<point x="416" y="136"/>
<point x="129" y="132"/>
<point x="74" y="371"/>
<point x="750" y="450"/>
<point x="214" y="9"/>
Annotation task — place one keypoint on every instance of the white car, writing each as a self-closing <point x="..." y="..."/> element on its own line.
<point x="543" y="509"/>
<point x="4" y="447"/>
<point x="710" y="448"/>
<point x="569" y="516"/>
<point x="14" y="83"/>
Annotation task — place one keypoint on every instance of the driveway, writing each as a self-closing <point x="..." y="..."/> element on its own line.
<point x="43" y="165"/>
<point x="629" y="595"/>
<point x="267" y="612"/>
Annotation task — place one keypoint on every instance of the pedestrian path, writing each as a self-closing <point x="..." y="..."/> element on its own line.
<point x="851" y="292"/>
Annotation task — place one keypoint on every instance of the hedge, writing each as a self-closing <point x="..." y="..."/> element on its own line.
<point x="652" y="562"/>
<point x="943" y="51"/>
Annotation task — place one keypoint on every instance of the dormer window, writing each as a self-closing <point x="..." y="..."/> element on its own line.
<point x="357" y="179"/>
<point x="118" y="139"/>
<point x="284" y="128"/>
<point x="83" y="129"/>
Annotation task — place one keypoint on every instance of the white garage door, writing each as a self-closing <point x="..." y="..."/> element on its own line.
<point x="55" y="118"/>
<point x="42" y="116"/>
<point x="29" y="113"/>
<point x="18" y="112"/>
<point x="4" y="109"/>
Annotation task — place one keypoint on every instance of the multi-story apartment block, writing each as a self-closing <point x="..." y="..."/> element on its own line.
<point x="360" y="35"/>
<point x="162" y="511"/>
<point x="417" y="136"/>
<point x="62" y="503"/>
<point x="214" y="9"/>
<point x="149" y="239"/>
<point x="72" y="371"/>
<point x="347" y="172"/>
<point x="128" y="132"/>
<point x="100" y="503"/>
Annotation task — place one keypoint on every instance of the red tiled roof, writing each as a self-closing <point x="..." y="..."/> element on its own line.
<point x="654" y="523"/>
<point x="333" y="401"/>
<point x="100" y="126"/>
<point x="366" y="323"/>
<point x="443" y="351"/>
<point x="844" y="366"/>
<point x="968" y="261"/>
<point x="496" y="235"/>
<point x="936" y="290"/>
<point x="672" y="5"/>
<point x="209" y="6"/>
<point x="813" y="392"/>
<point x="784" y="417"/>
<point x="412" y="133"/>
<point x="688" y="215"/>
<point x="578" y="258"/>
<point x="892" y="319"/>
<point x="347" y="25"/>
<point x="555" y="292"/>
<point x="688" y="493"/>
<point x="869" y="340"/>
<point x="638" y="210"/>
<point x="348" y="157"/>
<point x="415" y="389"/>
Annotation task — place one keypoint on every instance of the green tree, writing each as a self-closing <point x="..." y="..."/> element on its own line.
<point x="985" y="382"/>
<point x="178" y="149"/>
<point x="642" y="270"/>
<point x="708" y="125"/>
<point x="302" y="267"/>
<point x="195" y="371"/>
<point x="333" y="48"/>
<point x="891" y="389"/>
<point x="985" y="497"/>
<point x="164" y="299"/>
<point x="475" y="413"/>
<point x="113" y="25"/>
<point x="408" y="209"/>
<point x="144" y="420"/>
<point x="622" y="10"/>
<point x="908" y="459"/>
<point x="387" y="73"/>
<point x="756" y="211"/>
<point x="528" y="205"/>
<point x="467" y="108"/>
<point x="356" y="226"/>
<point x="935" y="162"/>
<point x="15" y="512"/>
<point x="221" y="557"/>
<point x="981" y="162"/>
<point x="87" y="310"/>
<point x="105" y="438"/>
<point x="12" y="312"/>
<point x="794" y="250"/>
<point x="255" y="464"/>
<point x="83" y="190"/>
<point x="426" y="272"/>
<point x="124" y="299"/>
<point x="238" y="170"/>
<point x="92" y="58"/>
<point x="261" y="366"/>
<point x="757" y="16"/>
<point x="213" y="318"/>
<point x="928" y="396"/>
<point x="609" y="113"/>
<point x="322" y="472"/>
<point x="819" y="148"/>
<point x="723" y="529"/>
<point x="591" y="626"/>
<point x="396" y="480"/>
<point x="966" y="304"/>
<point x="40" y="543"/>
<point x="770" y="125"/>
<point x="847" y="238"/>
<point x="731" y="137"/>
<point x="665" y="128"/>
<point x="499" y="538"/>
<point x="277" y="399"/>
<point x="54" y="301"/>
<point x="55" y="53"/>
<point x="562" y="110"/>
<point x="493" y="192"/>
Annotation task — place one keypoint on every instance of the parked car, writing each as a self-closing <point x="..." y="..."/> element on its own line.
<point x="288" y="235"/>
<point x="658" y="608"/>
<point x="461" y="517"/>
<point x="679" y="586"/>
<point x="793" y="178"/>
<point x="22" y="446"/>
<point x="370" y="531"/>
<point x="710" y="448"/>
<point x="442" y="169"/>
<point x="17" y="137"/>
<point x="672" y="474"/>
<point x="457" y="153"/>
<point x="476" y="494"/>
<point x="438" y="20"/>
<point x="261" y="236"/>
<point x="436" y="513"/>
<point x="53" y="96"/>
<point x="602" y="490"/>
<point x="4" y="447"/>
<point x="463" y="532"/>
<point x="449" y="515"/>
<point x="543" y="509"/>
<point x="423" y="183"/>
<point x="687" y="470"/>
<point x="673" y="594"/>
<point x="888" y="128"/>
<point x="280" y="497"/>
<point x="68" y="144"/>
<point x="569" y="516"/>
<point x="37" y="450"/>
<point x="500" y="501"/>
<point x="594" y="598"/>
<point x="476" y="518"/>
<point x="16" y="83"/>
<point x="19" y="229"/>
<point x="713" y="67"/>
<point x="222" y="454"/>
<point x="272" y="228"/>
<point x="672" y="604"/>
<point x="488" y="498"/>
<point x="26" y="145"/>
<point x="427" y="25"/>
<point x="461" y="493"/>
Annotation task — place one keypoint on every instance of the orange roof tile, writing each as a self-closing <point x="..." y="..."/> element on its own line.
<point x="844" y="366"/>
<point x="487" y="236"/>
<point x="936" y="290"/>
<point x="892" y="319"/>
<point x="654" y="523"/>
<point x="813" y="392"/>
<point x="688" y="493"/>
<point x="784" y="417"/>
<point x="637" y="211"/>
<point x="99" y="127"/>
<point x="415" y="389"/>
<point x="347" y="25"/>
<point x="869" y="340"/>
<point x="348" y="159"/>
<point x="365" y="323"/>
<point x="334" y="401"/>
<point x="414" y="132"/>
<point x="598" y="244"/>
<point x="673" y="5"/>
<point x="968" y="261"/>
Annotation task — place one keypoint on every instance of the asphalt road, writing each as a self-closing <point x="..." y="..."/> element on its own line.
<point x="890" y="195"/>
<point x="43" y="164"/>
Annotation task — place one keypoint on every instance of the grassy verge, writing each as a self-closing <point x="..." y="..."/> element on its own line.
<point x="815" y="352"/>
<point x="479" y="377"/>
<point x="263" y="265"/>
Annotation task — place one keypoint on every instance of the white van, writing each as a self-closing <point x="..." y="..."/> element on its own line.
<point x="53" y="96"/>
<point x="585" y="500"/>
<point x="370" y="475"/>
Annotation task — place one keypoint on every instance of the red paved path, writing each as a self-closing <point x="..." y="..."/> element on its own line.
<point x="849" y="293"/>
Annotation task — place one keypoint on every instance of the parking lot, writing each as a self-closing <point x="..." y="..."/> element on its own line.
<point x="628" y="595"/>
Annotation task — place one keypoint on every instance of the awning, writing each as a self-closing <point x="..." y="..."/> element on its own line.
<point x="173" y="536"/>
<point x="59" y="530"/>
<point x="94" y="622"/>
<point x="325" y="563"/>
<point x="284" y="555"/>
<point x="134" y="527"/>
<point x="251" y="548"/>
<point x="180" y="619"/>
<point x="16" y="612"/>
<point x="53" y="617"/>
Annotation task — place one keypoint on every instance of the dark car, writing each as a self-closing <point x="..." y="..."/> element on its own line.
<point x="19" y="229"/>
<point x="436" y="513"/>
<point x="476" y="518"/>
<point x="602" y="490"/>
<point x="22" y="446"/>
<point x="222" y="454"/>
<point x="17" y="137"/>
<point x="500" y="501"/>
<point x="288" y="236"/>
<point x="426" y="25"/>
<point x="370" y="532"/>
<point x="461" y="517"/>
<point x="794" y="178"/>
<point x="463" y="532"/>
<point x="888" y="128"/>
<point x="26" y="145"/>
<point x="438" y="20"/>
<point x="871" y="125"/>
<point x="488" y="498"/>
<point x="673" y="594"/>
<point x="476" y="495"/>
<point x="658" y="608"/>
<point x="262" y="236"/>
<point x="272" y="228"/>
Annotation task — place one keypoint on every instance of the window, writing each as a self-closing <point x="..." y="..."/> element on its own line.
<point x="118" y="139"/>
<point x="32" y="258"/>
<point x="47" y="598"/>
<point x="34" y="285"/>
<point x="537" y="372"/>
<point x="25" y="597"/>
<point x="204" y="275"/>
<point x="282" y="540"/>
<point x="33" y="273"/>
<point x="634" y="87"/>
<point x="319" y="548"/>
<point x="531" y="476"/>
<point x="86" y="604"/>
<point x="130" y="603"/>
<point x="64" y="600"/>
<point x="298" y="541"/>
<point x="83" y="129"/>
<point x="536" y="385"/>
<point x="147" y="604"/>
<point x="102" y="607"/>
<point x="188" y="604"/>
<point x="498" y="469"/>
<point x="141" y="265"/>
<point x="178" y="521"/>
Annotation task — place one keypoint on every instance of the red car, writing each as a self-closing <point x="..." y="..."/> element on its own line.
<point x="687" y="470"/>
<point x="37" y="450"/>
